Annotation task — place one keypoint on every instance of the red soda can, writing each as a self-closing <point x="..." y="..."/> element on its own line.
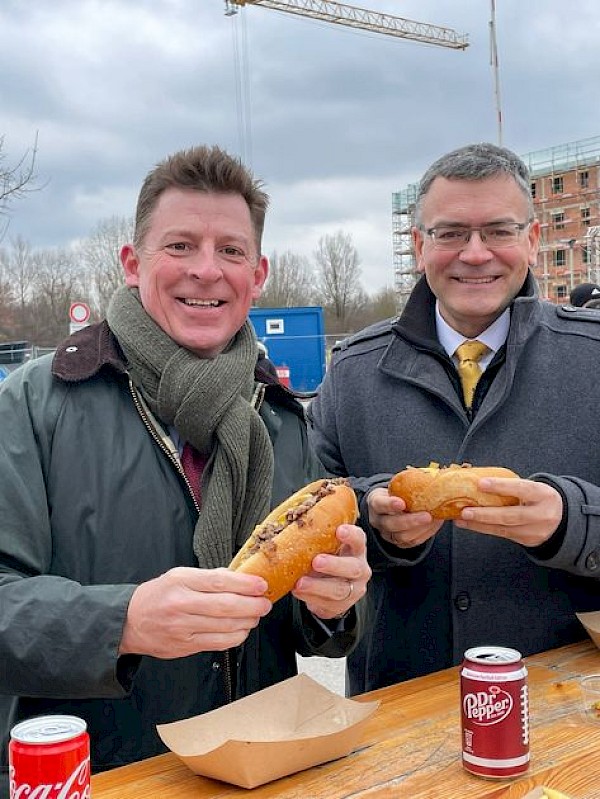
<point x="494" y="712"/>
<point x="49" y="758"/>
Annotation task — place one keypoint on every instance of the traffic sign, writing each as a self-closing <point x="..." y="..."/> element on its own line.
<point x="79" y="316"/>
<point x="79" y="313"/>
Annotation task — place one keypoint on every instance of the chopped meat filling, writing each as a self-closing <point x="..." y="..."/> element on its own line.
<point x="263" y="537"/>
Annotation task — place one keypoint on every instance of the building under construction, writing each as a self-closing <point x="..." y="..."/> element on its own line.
<point x="565" y="184"/>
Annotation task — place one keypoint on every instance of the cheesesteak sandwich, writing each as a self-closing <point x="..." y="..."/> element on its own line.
<point x="281" y="549"/>
<point x="444" y="491"/>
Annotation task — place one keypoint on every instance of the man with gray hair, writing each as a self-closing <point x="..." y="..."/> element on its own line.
<point x="403" y="392"/>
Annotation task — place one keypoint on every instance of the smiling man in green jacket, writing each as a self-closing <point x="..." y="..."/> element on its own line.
<point x="114" y="601"/>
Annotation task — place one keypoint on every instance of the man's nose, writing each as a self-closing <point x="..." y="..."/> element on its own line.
<point x="475" y="250"/>
<point x="204" y="265"/>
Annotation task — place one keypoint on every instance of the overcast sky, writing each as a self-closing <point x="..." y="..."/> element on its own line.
<point x="333" y="120"/>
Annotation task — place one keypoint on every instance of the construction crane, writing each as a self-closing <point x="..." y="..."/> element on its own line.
<point x="339" y="14"/>
<point x="354" y="17"/>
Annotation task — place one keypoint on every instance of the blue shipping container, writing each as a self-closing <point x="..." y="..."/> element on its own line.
<point x="295" y="341"/>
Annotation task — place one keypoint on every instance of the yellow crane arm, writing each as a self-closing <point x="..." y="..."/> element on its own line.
<point x="355" y="17"/>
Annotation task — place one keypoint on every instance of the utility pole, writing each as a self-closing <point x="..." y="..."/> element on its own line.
<point x="495" y="70"/>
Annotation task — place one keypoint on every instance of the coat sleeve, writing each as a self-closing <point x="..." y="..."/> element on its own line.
<point x="322" y="426"/>
<point x="58" y="638"/>
<point x="579" y="552"/>
<point x="313" y="640"/>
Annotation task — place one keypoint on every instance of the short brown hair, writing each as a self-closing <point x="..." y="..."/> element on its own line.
<point x="206" y="169"/>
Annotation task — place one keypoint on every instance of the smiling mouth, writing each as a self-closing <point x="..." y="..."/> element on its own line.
<point x="475" y="281"/>
<point x="201" y="303"/>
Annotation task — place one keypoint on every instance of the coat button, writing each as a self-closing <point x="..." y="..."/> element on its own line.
<point x="216" y="665"/>
<point x="462" y="601"/>
<point x="592" y="561"/>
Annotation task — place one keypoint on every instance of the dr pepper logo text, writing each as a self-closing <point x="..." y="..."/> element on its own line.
<point x="487" y="707"/>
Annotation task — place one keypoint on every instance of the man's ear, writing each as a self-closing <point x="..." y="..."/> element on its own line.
<point x="130" y="263"/>
<point x="534" y="241"/>
<point x="418" y="242"/>
<point x="261" y="272"/>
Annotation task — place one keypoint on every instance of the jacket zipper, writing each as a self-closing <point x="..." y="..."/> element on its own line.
<point x="257" y="400"/>
<point x="229" y="654"/>
<point x="151" y="429"/>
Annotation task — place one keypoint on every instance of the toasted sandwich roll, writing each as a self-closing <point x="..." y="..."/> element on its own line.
<point x="281" y="549"/>
<point x="444" y="491"/>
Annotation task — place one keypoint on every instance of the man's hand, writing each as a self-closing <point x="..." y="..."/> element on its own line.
<point x="403" y="530"/>
<point x="338" y="581"/>
<point x="187" y="610"/>
<point x="531" y="523"/>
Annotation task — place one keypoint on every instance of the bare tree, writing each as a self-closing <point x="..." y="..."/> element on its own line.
<point x="290" y="282"/>
<point x="100" y="260"/>
<point x="36" y="291"/>
<point x="20" y="273"/>
<point x="7" y="301"/>
<point x="381" y="305"/>
<point x="56" y="287"/>
<point x="17" y="179"/>
<point x="338" y="278"/>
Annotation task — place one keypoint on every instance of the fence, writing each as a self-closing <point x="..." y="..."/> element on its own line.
<point x="15" y="353"/>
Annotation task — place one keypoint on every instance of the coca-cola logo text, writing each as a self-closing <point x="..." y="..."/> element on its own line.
<point x="487" y="707"/>
<point x="76" y="786"/>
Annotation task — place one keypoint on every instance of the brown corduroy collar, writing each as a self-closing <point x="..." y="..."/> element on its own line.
<point x="85" y="353"/>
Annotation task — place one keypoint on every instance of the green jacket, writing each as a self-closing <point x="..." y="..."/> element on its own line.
<point x="91" y="505"/>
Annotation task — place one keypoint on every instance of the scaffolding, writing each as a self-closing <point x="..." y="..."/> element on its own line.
<point x="593" y="245"/>
<point x="403" y="216"/>
<point x="563" y="157"/>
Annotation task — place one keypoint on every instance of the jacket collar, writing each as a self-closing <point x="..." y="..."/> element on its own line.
<point x="417" y="322"/>
<point x="86" y="353"/>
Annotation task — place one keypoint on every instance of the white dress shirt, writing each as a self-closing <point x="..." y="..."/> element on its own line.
<point x="493" y="337"/>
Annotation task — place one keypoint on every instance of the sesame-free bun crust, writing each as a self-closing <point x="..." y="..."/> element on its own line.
<point x="289" y="555"/>
<point x="445" y="491"/>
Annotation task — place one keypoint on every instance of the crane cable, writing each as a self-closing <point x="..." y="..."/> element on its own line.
<point x="241" y="67"/>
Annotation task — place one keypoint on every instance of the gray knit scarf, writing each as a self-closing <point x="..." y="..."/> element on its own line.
<point x="208" y="402"/>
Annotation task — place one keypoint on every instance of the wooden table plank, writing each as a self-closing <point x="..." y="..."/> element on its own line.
<point x="411" y="748"/>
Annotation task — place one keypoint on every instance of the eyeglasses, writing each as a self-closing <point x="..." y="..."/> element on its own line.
<point x="495" y="236"/>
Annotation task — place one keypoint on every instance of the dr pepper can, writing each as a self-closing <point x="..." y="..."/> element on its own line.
<point x="494" y="712"/>
<point x="49" y="758"/>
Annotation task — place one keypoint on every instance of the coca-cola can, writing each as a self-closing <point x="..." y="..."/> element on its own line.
<point x="494" y="712"/>
<point x="49" y="758"/>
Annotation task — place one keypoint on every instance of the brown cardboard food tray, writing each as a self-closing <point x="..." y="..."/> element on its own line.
<point x="283" y="729"/>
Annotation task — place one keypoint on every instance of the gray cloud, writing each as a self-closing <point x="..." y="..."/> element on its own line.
<point x="338" y="119"/>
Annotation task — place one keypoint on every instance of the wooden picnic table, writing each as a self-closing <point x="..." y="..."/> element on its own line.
<point x="411" y="747"/>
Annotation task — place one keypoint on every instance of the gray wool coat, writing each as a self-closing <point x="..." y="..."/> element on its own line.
<point x="391" y="398"/>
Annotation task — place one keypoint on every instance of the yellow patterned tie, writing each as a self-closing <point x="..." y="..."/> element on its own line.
<point x="469" y="354"/>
